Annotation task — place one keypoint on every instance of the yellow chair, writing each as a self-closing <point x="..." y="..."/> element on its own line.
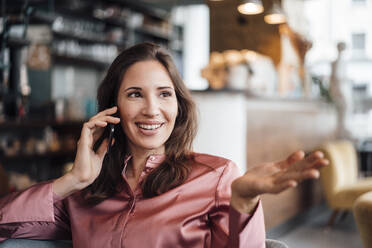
<point x="363" y="215"/>
<point x="339" y="179"/>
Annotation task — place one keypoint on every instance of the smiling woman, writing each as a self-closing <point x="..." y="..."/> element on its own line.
<point x="150" y="180"/>
<point x="148" y="106"/>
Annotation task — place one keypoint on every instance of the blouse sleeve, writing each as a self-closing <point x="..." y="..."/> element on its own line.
<point x="36" y="213"/>
<point x="230" y="228"/>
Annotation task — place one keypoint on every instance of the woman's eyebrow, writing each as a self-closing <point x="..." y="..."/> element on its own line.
<point x="165" y="87"/>
<point x="133" y="88"/>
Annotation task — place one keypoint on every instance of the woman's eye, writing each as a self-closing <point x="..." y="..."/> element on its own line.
<point x="165" y="94"/>
<point x="134" y="94"/>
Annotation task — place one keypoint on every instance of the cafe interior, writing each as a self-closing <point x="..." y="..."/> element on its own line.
<point x="269" y="77"/>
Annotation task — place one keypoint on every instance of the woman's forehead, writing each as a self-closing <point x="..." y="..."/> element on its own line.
<point x="146" y="73"/>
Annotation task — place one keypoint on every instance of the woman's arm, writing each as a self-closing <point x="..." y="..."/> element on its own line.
<point x="238" y="220"/>
<point x="38" y="212"/>
<point x="274" y="178"/>
<point x="34" y="213"/>
<point x="229" y="227"/>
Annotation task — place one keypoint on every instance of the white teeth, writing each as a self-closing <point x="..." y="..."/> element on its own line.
<point x="149" y="127"/>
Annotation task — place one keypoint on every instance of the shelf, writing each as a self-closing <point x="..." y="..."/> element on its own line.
<point x="39" y="124"/>
<point x="80" y="61"/>
<point x="115" y="22"/>
<point x="142" y="8"/>
<point x="43" y="16"/>
<point x="66" y="35"/>
<point x="150" y="32"/>
<point x="28" y="157"/>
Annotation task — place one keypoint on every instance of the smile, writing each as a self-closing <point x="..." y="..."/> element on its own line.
<point x="149" y="127"/>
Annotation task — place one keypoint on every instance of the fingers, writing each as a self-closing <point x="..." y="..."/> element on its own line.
<point x="283" y="186"/>
<point x="107" y="119"/>
<point x="314" y="160"/>
<point x="314" y="156"/>
<point x="94" y="128"/>
<point x="293" y="158"/>
<point x="102" y="149"/>
<point x="86" y="136"/>
<point x="109" y="111"/>
<point x="297" y="176"/>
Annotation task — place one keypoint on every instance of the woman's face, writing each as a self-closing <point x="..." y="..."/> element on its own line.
<point x="148" y="106"/>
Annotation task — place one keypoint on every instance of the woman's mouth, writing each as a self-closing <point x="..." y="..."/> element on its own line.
<point x="149" y="127"/>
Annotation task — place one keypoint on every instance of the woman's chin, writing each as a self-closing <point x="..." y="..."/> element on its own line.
<point x="158" y="148"/>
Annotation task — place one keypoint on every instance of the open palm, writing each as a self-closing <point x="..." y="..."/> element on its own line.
<point x="276" y="177"/>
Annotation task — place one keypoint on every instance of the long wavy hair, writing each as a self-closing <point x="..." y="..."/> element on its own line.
<point x="175" y="168"/>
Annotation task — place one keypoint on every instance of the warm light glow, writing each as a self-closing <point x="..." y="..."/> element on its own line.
<point x="250" y="8"/>
<point x="275" y="19"/>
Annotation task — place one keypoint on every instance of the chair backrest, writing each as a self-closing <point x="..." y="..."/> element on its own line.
<point x="362" y="210"/>
<point x="28" y="243"/>
<point x="342" y="169"/>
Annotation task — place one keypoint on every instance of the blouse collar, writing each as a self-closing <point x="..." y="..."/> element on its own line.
<point x="152" y="162"/>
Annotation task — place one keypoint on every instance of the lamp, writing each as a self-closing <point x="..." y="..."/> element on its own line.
<point x="275" y="15"/>
<point x="251" y="7"/>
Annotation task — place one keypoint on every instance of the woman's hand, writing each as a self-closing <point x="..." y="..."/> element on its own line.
<point x="87" y="164"/>
<point x="274" y="178"/>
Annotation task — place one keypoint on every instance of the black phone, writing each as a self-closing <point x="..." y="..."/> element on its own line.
<point x="111" y="131"/>
<point x="111" y="134"/>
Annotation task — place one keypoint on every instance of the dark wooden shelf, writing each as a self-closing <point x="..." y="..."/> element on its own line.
<point x="101" y="40"/>
<point x="39" y="124"/>
<point x="115" y="22"/>
<point x="142" y="8"/>
<point x="156" y="34"/>
<point x="33" y="157"/>
<point x="80" y="61"/>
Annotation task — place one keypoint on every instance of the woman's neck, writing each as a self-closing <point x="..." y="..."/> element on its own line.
<point x="138" y="161"/>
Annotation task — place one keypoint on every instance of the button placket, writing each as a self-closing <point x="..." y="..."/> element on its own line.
<point x="132" y="205"/>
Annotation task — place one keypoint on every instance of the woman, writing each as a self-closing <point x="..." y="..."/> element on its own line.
<point x="149" y="190"/>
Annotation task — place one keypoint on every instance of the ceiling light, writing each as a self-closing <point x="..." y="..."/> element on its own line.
<point x="275" y="15"/>
<point x="250" y="7"/>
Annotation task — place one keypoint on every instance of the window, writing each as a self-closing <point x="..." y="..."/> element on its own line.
<point x="358" y="43"/>
<point x="359" y="2"/>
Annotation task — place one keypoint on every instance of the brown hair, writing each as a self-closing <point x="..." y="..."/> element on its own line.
<point x="175" y="169"/>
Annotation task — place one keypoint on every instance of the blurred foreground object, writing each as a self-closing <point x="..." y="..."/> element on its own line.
<point x="363" y="216"/>
<point x="339" y="179"/>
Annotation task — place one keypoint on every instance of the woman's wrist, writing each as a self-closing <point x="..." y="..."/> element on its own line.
<point x="67" y="185"/>
<point x="244" y="205"/>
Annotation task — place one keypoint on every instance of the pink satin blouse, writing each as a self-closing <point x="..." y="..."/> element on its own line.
<point x="194" y="214"/>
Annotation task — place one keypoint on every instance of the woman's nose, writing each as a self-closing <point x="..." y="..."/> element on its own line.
<point x="151" y="107"/>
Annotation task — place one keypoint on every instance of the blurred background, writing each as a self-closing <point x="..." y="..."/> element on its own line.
<point x="269" y="77"/>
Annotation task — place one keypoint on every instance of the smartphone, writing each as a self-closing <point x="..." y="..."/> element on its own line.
<point x="111" y="134"/>
<point x="111" y="128"/>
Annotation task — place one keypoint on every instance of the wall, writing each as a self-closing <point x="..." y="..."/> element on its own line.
<point x="195" y="21"/>
<point x="222" y="125"/>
